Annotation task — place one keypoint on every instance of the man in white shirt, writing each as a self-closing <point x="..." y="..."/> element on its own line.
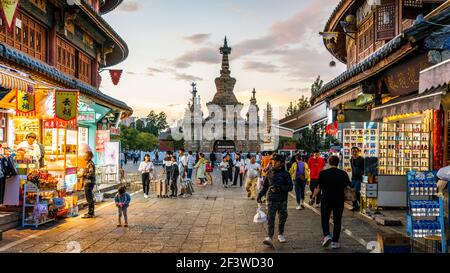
<point x="253" y="171"/>
<point x="30" y="147"/>
<point x="190" y="165"/>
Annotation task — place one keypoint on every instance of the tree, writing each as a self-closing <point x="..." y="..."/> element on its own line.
<point x="300" y="105"/>
<point x="317" y="85"/>
<point x="146" y="141"/>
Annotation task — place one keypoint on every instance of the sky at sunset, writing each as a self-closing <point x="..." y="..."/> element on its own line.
<point x="276" y="49"/>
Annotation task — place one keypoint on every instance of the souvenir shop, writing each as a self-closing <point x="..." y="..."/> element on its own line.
<point x="39" y="176"/>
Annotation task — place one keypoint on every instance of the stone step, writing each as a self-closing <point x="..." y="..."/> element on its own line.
<point x="9" y="220"/>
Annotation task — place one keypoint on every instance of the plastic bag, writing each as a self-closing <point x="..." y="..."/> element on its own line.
<point x="444" y="173"/>
<point x="260" y="216"/>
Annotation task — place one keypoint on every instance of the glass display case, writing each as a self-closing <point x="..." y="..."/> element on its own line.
<point x="61" y="156"/>
<point x="404" y="147"/>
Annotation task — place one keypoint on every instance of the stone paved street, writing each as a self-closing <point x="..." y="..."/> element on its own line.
<point x="213" y="220"/>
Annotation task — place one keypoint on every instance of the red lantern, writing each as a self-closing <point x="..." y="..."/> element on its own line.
<point x="115" y="76"/>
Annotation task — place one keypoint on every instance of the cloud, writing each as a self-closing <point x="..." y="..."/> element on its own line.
<point x="152" y="71"/>
<point x="198" y="38"/>
<point x="187" y="77"/>
<point x="202" y="55"/>
<point x="291" y="31"/>
<point x="130" y="6"/>
<point x="131" y="73"/>
<point x="260" y="67"/>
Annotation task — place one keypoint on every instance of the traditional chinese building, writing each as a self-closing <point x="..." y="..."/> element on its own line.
<point x="51" y="53"/>
<point x="223" y="98"/>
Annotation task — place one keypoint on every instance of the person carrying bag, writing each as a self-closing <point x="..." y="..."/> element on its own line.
<point x="299" y="172"/>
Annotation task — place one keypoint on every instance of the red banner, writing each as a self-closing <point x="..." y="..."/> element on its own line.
<point x="115" y="76"/>
<point x="56" y="123"/>
<point x="332" y="129"/>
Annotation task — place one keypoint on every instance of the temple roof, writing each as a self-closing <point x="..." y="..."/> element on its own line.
<point x="51" y="72"/>
<point x="418" y="31"/>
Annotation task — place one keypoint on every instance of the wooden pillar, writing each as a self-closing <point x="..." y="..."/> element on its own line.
<point x="52" y="45"/>
<point x="94" y="74"/>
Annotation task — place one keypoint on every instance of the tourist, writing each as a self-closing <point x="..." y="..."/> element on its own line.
<point x="126" y="158"/>
<point x="182" y="164"/>
<point x="167" y="163"/>
<point x="174" y="174"/>
<point x="201" y="170"/>
<point x="277" y="185"/>
<point x="135" y="158"/>
<point x="88" y="176"/>
<point x="146" y="168"/>
<point x="357" y="164"/>
<point x="265" y="162"/>
<point x="122" y="201"/>
<point x="316" y="165"/>
<point x="332" y="183"/>
<point x="239" y="170"/>
<point x="300" y="175"/>
<point x="209" y="170"/>
<point x="212" y="158"/>
<point x="224" y="170"/>
<point x="190" y="165"/>
<point x="122" y="159"/>
<point x="252" y="171"/>
<point x="230" y="167"/>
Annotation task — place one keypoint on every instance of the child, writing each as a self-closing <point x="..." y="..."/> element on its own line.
<point x="122" y="200"/>
<point x="224" y="169"/>
<point x="209" y="170"/>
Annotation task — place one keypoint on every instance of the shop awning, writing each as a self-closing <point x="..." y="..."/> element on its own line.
<point x="348" y="96"/>
<point x="10" y="79"/>
<point x="309" y="116"/>
<point x="429" y="100"/>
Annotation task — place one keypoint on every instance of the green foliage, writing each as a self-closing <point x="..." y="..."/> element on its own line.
<point x="143" y="134"/>
<point x="303" y="103"/>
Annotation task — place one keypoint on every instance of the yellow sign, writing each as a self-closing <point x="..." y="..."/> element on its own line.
<point x="9" y="8"/>
<point x="66" y="105"/>
<point x="25" y="103"/>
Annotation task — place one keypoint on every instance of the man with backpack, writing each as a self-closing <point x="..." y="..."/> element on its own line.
<point x="299" y="172"/>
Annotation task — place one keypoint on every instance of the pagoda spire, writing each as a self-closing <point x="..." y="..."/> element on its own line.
<point x="225" y="51"/>
<point x="253" y="99"/>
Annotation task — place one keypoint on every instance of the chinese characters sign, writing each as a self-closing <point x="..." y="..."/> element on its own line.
<point x="25" y="103"/>
<point x="86" y="117"/>
<point x="404" y="79"/>
<point x="66" y="105"/>
<point x="9" y="9"/>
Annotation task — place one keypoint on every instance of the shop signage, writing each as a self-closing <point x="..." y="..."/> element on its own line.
<point x="9" y="11"/>
<point x="115" y="131"/>
<point x="364" y="99"/>
<point x="66" y="105"/>
<point x="86" y="117"/>
<point x="332" y="129"/>
<point x="404" y="78"/>
<point x="115" y="76"/>
<point x="25" y="104"/>
<point x="60" y="124"/>
<point x="102" y="137"/>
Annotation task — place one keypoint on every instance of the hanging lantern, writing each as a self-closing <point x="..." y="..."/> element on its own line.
<point x="115" y="75"/>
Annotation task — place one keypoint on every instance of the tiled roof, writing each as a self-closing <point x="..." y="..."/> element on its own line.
<point x="54" y="74"/>
<point x="421" y="29"/>
<point x="105" y="24"/>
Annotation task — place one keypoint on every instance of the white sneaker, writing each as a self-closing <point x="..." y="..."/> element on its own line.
<point x="145" y="196"/>
<point x="268" y="242"/>
<point x="335" y="245"/>
<point x="298" y="207"/>
<point x="282" y="239"/>
<point x="316" y="206"/>
<point x="326" y="241"/>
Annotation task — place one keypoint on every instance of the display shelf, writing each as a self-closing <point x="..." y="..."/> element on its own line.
<point x="425" y="215"/>
<point x="29" y="189"/>
<point x="365" y="138"/>
<point x="403" y="147"/>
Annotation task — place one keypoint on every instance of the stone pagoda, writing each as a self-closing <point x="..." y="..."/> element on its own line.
<point x="223" y="99"/>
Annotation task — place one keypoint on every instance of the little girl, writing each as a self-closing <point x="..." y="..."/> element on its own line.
<point x="122" y="200"/>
